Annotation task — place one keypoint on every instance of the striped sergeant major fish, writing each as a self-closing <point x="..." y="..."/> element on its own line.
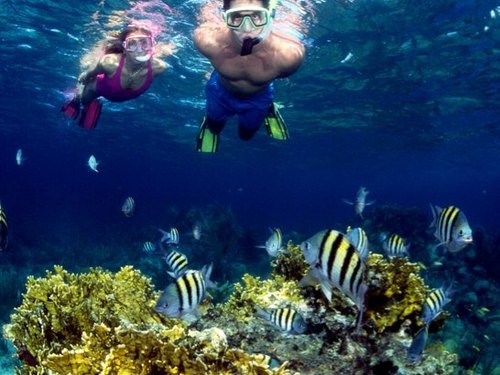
<point x="148" y="247"/>
<point x="359" y="240"/>
<point x="177" y="262"/>
<point x="286" y="319"/>
<point x="274" y="243"/>
<point x="360" y="203"/>
<point x="4" y="229"/>
<point x="395" y="246"/>
<point x="417" y="345"/>
<point x="434" y="303"/>
<point x="171" y="237"/>
<point x="128" y="207"/>
<point x="452" y="229"/>
<point x="181" y="298"/>
<point x="335" y="263"/>
<point x="432" y="308"/>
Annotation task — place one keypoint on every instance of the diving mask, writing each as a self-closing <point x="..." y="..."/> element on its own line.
<point x="138" y="44"/>
<point x="247" y="18"/>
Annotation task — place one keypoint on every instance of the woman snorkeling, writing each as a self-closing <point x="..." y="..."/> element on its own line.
<point x="126" y="71"/>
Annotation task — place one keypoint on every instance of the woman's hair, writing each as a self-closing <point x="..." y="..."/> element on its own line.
<point x="227" y="4"/>
<point x="115" y="43"/>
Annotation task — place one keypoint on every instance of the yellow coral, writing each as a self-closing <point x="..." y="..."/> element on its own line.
<point x="270" y="293"/>
<point x="396" y="292"/>
<point x="290" y="264"/>
<point x="104" y="323"/>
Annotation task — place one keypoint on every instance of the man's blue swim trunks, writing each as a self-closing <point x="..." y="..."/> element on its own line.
<point x="221" y="105"/>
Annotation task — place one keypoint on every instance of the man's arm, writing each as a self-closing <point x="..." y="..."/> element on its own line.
<point x="205" y="39"/>
<point x="292" y="56"/>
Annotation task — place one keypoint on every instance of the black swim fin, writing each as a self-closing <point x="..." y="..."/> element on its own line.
<point x="275" y="125"/>
<point x="207" y="141"/>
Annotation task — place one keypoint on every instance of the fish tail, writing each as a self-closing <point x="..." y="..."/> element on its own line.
<point x="206" y="272"/>
<point x="435" y="214"/>
<point x="360" y="303"/>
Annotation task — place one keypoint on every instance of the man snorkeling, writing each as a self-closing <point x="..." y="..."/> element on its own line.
<point x="247" y="56"/>
<point x="126" y="71"/>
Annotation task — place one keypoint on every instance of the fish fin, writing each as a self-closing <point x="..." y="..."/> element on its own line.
<point x="165" y="236"/>
<point x="348" y="202"/>
<point x="191" y="317"/>
<point x="206" y="271"/>
<point x="172" y="274"/>
<point x="370" y="203"/>
<point x="261" y="313"/>
<point x="435" y="214"/>
<point x="360" y="303"/>
<point x="261" y="246"/>
<point x="439" y="245"/>
<point x="310" y="279"/>
<point x="326" y="288"/>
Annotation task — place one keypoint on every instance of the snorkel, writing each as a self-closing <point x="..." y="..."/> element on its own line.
<point x="251" y="25"/>
<point x="248" y="43"/>
<point x="143" y="58"/>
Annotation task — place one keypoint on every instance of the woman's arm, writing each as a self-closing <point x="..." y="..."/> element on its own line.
<point x="104" y="66"/>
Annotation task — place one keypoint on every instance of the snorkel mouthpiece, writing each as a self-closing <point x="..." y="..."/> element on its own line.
<point x="247" y="45"/>
<point x="143" y="58"/>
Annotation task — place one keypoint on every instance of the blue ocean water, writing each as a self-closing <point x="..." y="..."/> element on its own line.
<point x="414" y="116"/>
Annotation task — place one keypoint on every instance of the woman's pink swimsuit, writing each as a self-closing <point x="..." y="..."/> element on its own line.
<point x="112" y="89"/>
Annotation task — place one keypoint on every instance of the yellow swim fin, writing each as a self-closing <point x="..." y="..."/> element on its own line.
<point x="275" y="125"/>
<point x="206" y="141"/>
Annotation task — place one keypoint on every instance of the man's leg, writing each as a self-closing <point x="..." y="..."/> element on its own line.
<point x="250" y="122"/>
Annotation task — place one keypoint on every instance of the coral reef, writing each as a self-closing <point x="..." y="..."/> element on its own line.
<point x="290" y="263"/>
<point x="99" y="322"/>
<point x="396" y="292"/>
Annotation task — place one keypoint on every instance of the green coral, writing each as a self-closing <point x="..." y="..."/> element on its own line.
<point x="104" y="323"/>
<point x="396" y="292"/>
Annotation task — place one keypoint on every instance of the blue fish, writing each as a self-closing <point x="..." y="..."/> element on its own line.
<point x="418" y="344"/>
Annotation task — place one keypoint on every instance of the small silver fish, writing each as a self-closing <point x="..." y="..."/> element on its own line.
<point x="128" y="207"/>
<point x="286" y="319"/>
<point x="359" y="240"/>
<point x="452" y="229"/>
<point x="171" y="237"/>
<point x="360" y="203"/>
<point x="93" y="163"/>
<point x="181" y="298"/>
<point x="19" y="157"/>
<point x="395" y="246"/>
<point x="4" y="229"/>
<point x="197" y="231"/>
<point x="274" y="243"/>
<point x="148" y="247"/>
